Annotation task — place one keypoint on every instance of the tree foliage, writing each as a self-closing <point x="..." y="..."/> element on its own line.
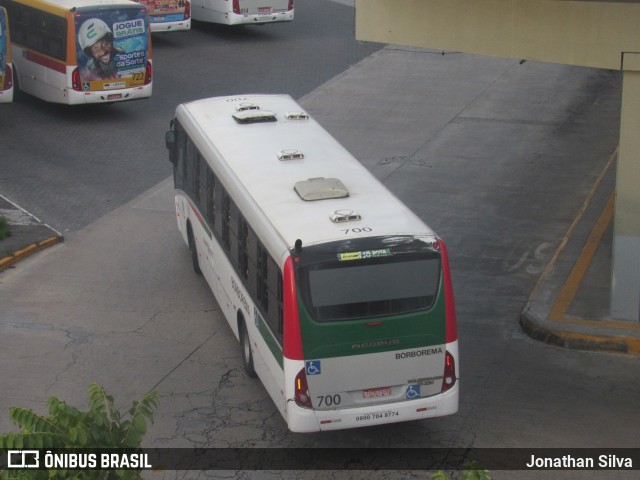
<point x="103" y="426"/>
<point x="475" y="473"/>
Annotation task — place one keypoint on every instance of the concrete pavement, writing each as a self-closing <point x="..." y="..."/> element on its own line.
<point x="28" y="234"/>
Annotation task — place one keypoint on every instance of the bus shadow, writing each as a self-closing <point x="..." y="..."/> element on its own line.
<point x="88" y="114"/>
<point x="234" y="33"/>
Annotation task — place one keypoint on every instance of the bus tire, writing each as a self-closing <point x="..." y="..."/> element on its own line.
<point x="17" y="93"/>
<point x="245" y="347"/>
<point x="194" y="251"/>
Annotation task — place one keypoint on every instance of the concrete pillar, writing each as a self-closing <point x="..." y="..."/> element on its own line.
<point x="625" y="284"/>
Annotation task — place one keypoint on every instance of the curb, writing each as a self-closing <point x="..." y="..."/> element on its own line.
<point x="552" y="335"/>
<point x="546" y="317"/>
<point x="25" y="252"/>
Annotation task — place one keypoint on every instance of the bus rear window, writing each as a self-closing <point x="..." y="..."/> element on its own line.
<point x="371" y="288"/>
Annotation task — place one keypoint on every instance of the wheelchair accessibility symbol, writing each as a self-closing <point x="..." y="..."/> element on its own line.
<point x="312" y="367"/>
<point x="413" y="391"/>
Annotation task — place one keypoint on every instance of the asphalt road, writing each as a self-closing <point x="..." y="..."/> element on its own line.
<point x="71" y="165"/>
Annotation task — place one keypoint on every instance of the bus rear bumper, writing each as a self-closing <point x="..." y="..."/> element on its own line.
<point x="307" y="420"/>
<point x="258" y="19"/>
<point x="110" y="96"/>
<point x="164" y="27"/>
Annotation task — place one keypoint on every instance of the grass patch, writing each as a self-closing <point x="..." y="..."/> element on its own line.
<point x="5" y="232"/>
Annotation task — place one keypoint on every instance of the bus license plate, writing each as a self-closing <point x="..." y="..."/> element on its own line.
<point x="114" y="96"/>
<point x="264" y="10"/>
<point x="377" y="392"/>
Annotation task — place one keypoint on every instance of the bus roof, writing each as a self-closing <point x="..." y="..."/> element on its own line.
<point x="248" y="158"/>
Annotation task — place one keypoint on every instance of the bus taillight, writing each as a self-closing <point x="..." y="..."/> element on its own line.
<point x="236" y="6"/>
<point x="8" y="77"/>
<point x="290" y="5"/>
<point x="147" y="73"/>
<point x="449" y="377"/>
<point x="76" y="84"/>
<point x="301" y="394"/>
<point x="187" y="10"/>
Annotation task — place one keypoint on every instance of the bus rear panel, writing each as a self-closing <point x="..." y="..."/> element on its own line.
<point x="168" y="16"/>
<point x="377" y="334"/>
<point x="243" y="12"/>
<point x="85" y="52"/>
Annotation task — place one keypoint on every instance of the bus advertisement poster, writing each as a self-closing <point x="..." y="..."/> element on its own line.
<point x="165" y="10"/>
<point x="112" y="48"/>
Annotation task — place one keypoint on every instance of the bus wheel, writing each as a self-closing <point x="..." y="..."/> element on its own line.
<point x="194" y="251"/>
<point x="17" y="93"/>
<point x="245" y="345"/>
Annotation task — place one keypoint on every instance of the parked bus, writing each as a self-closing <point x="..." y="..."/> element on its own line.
<point x="6" y="69"/>
<point x="168" y="15"/>
<point x="81" y="51"/>
<point x="339" y="295"/>
<point x="242" y="12"/>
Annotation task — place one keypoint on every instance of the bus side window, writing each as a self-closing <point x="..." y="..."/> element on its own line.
<point x="180" y="167"/>
<point x="210" y="196"/>
<point x="261" y="277"/>
<point x="189" y="168"/>
<point x="202" y="184"/>
<point x="274" y="290"/>
<point x="243" y="247"/>
<point x="226" y="218"/>
<point x="195" y="188"/>
<point x="252" y="263"/>
<point x="218" y="201"/>
<point x="233" y="233"/>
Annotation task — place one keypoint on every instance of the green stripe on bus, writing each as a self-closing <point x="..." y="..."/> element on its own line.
<point x="274" y="346"/>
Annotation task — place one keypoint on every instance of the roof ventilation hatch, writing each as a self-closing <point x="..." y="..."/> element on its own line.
<point x="290" y="154"/>
<point x="341" y="216"/>
<point x="242" y="107"/>
<point x="254" y="116"/>
<point x="296" y="116"/>
<point x="320" y="188"/>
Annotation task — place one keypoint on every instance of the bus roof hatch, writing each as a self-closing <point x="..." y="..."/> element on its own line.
<point x="320" y="188"/>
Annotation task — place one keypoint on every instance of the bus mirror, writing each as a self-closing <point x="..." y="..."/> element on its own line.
<point x="170" y="142"/>
<point x="170" y="139"/>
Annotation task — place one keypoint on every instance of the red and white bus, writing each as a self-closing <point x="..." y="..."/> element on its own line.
<point x="81" y="51"/>
<point x="340" y="296"/>
<point x="6" y="69"/>
<point x="242" y="12"/>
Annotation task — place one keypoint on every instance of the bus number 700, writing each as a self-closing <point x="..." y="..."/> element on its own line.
<point x="347" y="231"/>
<point x="328" y="400"/>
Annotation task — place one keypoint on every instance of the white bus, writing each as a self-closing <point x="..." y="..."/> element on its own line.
<point x="81" y="51"/>
<point x="242" y="12"/>
<point x="340" y="296"/>
<point x="6" y="69"/>
<point x="168" y="15"/>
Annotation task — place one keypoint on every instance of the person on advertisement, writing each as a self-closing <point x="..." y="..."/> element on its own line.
<point x="96" y="40"/>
